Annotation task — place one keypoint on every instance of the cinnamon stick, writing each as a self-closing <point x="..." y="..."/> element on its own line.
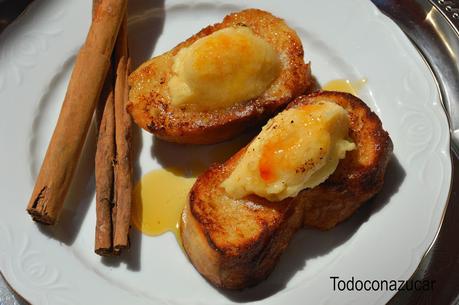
<point x="83" y="91"/>
<point x="123" y="125"/>
<point x="104" y="161"/>
<point x="113" y="199"/>
<point x="105" y="158"/>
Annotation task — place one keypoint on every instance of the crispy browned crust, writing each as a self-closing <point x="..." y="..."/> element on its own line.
<point x="236" y="243"/>
<point x="359" y="176"/>
<point x="153" y="112"/>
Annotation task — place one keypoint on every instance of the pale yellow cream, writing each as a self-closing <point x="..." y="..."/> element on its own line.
<point x="298" y="149"/>
<point x="231" y="65"/>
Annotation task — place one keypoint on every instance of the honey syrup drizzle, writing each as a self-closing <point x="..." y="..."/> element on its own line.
<point x="345" y="85"/>
<point x="159" y="198"/>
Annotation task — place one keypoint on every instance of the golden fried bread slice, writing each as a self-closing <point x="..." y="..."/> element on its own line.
<point x="359" y="176"/>
<point x="235" y="243"/>
<point x="151" y="95"/>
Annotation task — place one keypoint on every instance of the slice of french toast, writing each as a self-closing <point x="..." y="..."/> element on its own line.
<point x="150" y="97"/>
<point x="236" y="243"/>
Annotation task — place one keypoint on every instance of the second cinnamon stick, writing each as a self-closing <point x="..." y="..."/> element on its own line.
<point x="123" y="123"/>
<point x="105" y="158"/>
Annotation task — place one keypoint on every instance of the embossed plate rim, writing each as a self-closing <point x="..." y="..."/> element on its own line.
<point x="45" y="275"/>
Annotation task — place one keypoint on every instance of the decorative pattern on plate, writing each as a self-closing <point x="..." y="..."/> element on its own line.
<point x="420" y="125"/>
<point x="29" y="268"/>
<point x="18" y="52"/>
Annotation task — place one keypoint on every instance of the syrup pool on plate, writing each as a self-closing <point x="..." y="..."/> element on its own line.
<point x="159" y="198"/>
<point x="345" y="85"/>
<point x="160" y="195"/>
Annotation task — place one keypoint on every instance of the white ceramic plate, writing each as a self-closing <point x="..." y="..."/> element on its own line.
<point x="386" y="239"/>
